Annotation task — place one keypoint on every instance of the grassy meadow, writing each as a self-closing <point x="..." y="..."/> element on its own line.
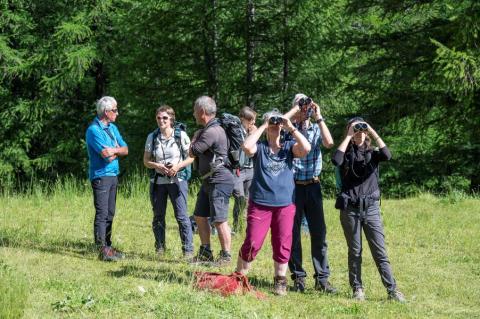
<point x="49" y="268"/>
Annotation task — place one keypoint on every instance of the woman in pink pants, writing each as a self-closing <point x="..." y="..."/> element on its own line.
<point x="271" y="205"/>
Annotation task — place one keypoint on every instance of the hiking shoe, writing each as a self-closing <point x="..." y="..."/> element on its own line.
<point x="396" y="295"/>
<point x="188" y="255"/>
<point x="325" y="287"/>
<point x="107" y="254"/>
<point x="159" y="252"/>
<point x="223" y="259"/>
<point x="204" y="255"/>
<point x="280" y="285"/>
<point x="358" y="294"/>
<point x="299" y="284"/>
<point x="118" y="254"/>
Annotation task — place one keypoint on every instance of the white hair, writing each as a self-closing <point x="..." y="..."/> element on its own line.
<point x="269" y="114"/>
<point x="207" y="104"/>
<point x="106" y="103"/>
<point x="297" y="97"/>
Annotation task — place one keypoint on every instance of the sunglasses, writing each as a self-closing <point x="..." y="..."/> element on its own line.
<point x="165" y="118"/>
<point x="114" y="111"/>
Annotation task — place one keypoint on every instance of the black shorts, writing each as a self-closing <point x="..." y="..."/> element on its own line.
<point x="213" y="201"/>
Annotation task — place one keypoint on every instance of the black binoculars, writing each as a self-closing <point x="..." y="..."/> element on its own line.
<point x="304" y="101"/>
<point x="275" y="120"/>
<point x="360" y="127"/>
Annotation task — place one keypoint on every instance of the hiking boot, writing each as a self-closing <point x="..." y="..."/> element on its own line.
<point x="280" y="285"/>
<point x="107" y="254"/>
<point x="204" y="255"/>
<point x="396" y="295"/>
<point x="325" y="287"/>
<point x="160" y="251"/>
<point x="299" y="284"/>
<point x="118" y="254"/>
<point x="358" y="294"/>
<point x="188" y="255"/>
<point x="223" y="259"/>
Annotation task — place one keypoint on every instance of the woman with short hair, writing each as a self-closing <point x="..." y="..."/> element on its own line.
<point x="271" y="204"/>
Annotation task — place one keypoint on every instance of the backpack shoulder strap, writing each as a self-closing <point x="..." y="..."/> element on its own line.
<point x="154" y="142"/>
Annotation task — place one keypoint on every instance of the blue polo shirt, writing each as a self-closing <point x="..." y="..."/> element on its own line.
<point x="98" y="137"/>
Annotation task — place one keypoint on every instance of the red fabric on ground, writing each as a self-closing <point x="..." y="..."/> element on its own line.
<point x="234" y="284"/>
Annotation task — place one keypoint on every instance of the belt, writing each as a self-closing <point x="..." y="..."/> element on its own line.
<point x="314" y="180"/>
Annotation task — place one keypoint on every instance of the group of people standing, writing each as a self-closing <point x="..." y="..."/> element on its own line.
<point x="278" y="182"/>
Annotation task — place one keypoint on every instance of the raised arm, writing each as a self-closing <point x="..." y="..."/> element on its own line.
<point x="249" y="146"/>
<point x="302" y="146"/>
<point x="327" y="139"/>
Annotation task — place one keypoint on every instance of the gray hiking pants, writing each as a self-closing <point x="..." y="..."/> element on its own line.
<point x="353" y="220"/>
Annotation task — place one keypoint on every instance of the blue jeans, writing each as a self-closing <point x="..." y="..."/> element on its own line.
<point x="178" y="193"/>
<point x="104" y="200"/>
<point x="308" y="200"/>
<point x="353" y="221"/>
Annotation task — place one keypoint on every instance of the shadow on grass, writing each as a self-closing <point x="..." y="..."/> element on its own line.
<point x="162" y="273"/>
<point x="76" y="248"/>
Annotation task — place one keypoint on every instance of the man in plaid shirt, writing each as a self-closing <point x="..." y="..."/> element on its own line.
<point x="308" y="195"/>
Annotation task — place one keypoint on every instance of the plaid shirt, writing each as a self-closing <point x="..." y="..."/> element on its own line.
<point x="309" y="166"/>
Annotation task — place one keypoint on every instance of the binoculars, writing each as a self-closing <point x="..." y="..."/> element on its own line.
<point x="304" y="101"/>
<point x="275" y="120"/>
<point x="360" y="127"/>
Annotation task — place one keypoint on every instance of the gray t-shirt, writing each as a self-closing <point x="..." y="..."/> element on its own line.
<point x="212" y="145"/>
<point x="167" y="151"/>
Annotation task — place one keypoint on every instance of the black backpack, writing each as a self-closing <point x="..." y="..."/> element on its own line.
<point x="235" y="136"/>
<point x="178" y="127"/>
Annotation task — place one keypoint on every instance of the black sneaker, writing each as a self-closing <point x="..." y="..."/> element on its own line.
<point x="299" y="284"/>
<point x="204" y="255"/>
<point x="326" y="288"/>
<point x="107" y="254"/>
<point x="223" y="259"/>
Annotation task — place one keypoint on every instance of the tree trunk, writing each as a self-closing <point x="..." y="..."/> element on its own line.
<point x="285" y="55"/>
<point x="210" y="42"/>
<point x="250" y="47"/>
<point x="100" y="80"/>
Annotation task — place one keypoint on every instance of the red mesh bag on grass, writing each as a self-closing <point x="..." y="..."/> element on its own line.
<point x="234" y="284"/>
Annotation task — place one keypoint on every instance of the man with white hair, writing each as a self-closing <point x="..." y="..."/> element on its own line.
<point x="104" y="146"/>
<point x="210" y="146"/>
<point x="308" y="195"/>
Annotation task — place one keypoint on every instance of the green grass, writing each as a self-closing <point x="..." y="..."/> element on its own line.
<point x="49" y="266"/>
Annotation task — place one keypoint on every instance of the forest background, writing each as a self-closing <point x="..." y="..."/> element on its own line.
<point x="411" y="68"/>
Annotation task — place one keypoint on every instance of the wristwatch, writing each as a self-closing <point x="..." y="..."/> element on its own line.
<point x="319" y="120"/>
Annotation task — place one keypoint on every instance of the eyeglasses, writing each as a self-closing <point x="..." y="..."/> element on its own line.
<point x="114" y="111"/>
<point x="165" y="118"/>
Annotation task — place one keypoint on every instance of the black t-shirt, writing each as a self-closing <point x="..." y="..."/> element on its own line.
<point x="359" y="170"/>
